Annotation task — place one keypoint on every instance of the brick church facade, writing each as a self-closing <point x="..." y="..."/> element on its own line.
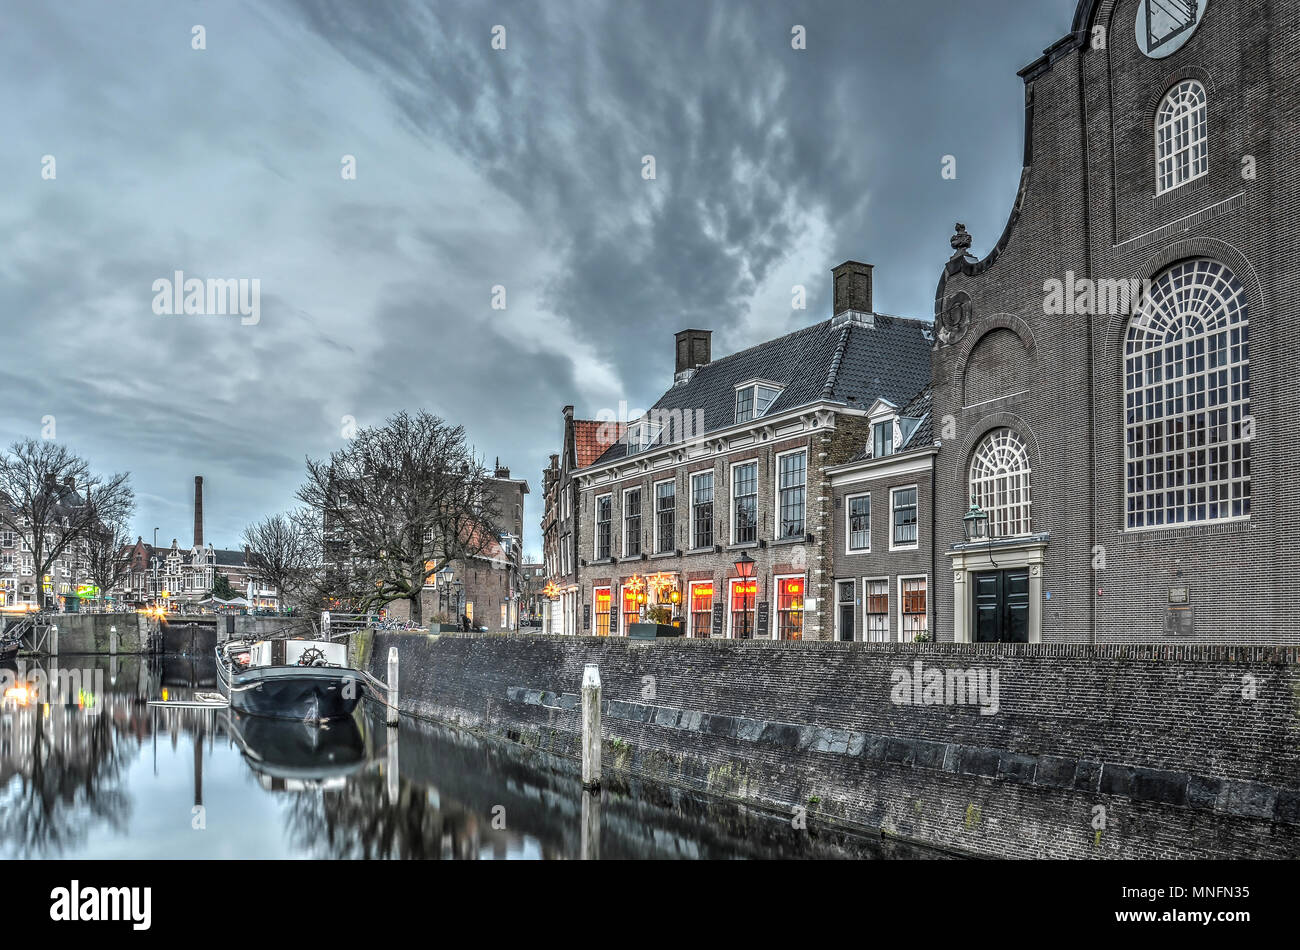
<point x="1115" y="382"/>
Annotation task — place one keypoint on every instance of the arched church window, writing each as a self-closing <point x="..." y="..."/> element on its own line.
<point x="1182" y="145"/>
<point x="999" y="483"/>
<point x="1187" y="399"/>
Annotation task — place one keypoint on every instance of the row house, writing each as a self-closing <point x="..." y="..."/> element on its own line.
<point x="183" y="576"/>
<point x="713" y="511"/>
<point x="584" y="442"/>
<point x="18" y="581"/>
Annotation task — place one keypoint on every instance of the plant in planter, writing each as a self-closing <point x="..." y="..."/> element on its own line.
<point x="922" y="638"/>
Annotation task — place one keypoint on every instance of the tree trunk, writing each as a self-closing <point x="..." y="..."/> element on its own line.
<point x="414" y="600"/>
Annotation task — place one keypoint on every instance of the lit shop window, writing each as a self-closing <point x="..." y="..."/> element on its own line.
<point x="701" y="609"/>
<point x="744" y="594"/>
<point x="789" y="608"/>
<point x="603" y="603"/>
<point x="632" y="601"/>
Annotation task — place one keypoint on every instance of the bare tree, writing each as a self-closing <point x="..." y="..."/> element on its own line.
<point x="50" y="496"/>
<point x="108" y="556"/>
<point x="284" y="551"/>
<point x="397" y="505"/>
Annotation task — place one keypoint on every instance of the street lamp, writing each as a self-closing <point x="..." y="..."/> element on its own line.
<point x="745" y="570"/>
<point x="976" y="524"/>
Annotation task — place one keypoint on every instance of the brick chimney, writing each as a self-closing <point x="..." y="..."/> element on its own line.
<point x="852" y="292"/>
<point x="693" y="351"/>
<point x="198" y="511"/>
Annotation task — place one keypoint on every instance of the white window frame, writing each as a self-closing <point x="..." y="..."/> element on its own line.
<point x="595" y="605"/>
<point x="899" y="592"/>
<point x="848" y="523"/>
<point x="690" y="501"/>
<point x="640" y="527"/>
<point x="835" y="586"/>
<point x="595" y="520"/>
<point x="1170" y="116"/>
<point x="753" y="385"/>
<point x="892" y="526"/>
<point x="1012" y="520"/>
<point x="654" y="493"/>
<point x="777" y="534"/>
<point x="866" y="600"/>
<point x="732" y="498"/>
<point x="690" y="606"/>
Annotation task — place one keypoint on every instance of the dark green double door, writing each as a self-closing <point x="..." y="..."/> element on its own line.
<point x="1002" y="606"/>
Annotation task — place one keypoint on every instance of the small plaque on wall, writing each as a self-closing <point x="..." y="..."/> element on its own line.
<point x="586" y="616"/>
<point x="717" y="621"/>
<point x="764" y="619"/>
<point x="1178" y="621"/>
<point x="613" y="622"/>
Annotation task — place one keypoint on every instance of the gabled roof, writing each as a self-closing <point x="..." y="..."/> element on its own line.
<point x="227" y="558"/>
<point x="851" y="364"/>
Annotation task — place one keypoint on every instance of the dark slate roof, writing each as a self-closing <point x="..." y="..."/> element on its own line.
<point x="228" y="558"/>
<point x="918" y="407"/>
<point x="852" y="365"/>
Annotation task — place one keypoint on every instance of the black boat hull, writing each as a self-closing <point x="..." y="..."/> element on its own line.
<point x="299" y="693"/>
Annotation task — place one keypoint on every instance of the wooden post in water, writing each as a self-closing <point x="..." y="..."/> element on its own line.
<point x="591" y="727"/>
<point x="391" y="718"/>
<point x="589" y="837"/>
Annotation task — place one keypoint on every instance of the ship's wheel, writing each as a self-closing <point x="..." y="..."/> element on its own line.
<point x="312" y="656"/>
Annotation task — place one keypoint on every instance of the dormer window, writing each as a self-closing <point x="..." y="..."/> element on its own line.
<point x="882" y="438"/>
<point x="754" y="399"/>
<point x="641" y="435"/>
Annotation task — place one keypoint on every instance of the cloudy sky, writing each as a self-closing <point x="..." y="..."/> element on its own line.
<point x="475" y="167"/>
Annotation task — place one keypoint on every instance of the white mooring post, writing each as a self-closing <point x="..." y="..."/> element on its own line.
<point x="391" y="718"/>
<point x="54" y="639"/>
<point x="112" y="640"/>
<point x="392" y="785"/>
<point x="591" y="727"/>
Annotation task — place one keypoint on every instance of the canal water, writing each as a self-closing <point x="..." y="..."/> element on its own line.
<point x="100" y="773"/>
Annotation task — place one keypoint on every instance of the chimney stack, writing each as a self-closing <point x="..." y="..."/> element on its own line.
<point x="693" y="351"/>
<point x="198" y="511"/>
<point x="852" y="292"/>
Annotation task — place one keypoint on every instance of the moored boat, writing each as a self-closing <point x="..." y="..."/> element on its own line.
<point x="304" y="680"/>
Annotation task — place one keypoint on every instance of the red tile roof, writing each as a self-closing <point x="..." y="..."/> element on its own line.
<point x="592" y="437"/>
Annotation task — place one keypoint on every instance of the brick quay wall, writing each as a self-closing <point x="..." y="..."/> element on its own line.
<point x="1066" y="751"/>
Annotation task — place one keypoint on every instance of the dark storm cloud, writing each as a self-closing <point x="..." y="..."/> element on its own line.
<point x="476" y="167"/>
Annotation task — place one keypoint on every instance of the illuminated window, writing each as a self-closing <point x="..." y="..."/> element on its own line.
<point x="702" y="609"/>
<point x="877" y="609"/>
<point x="789" y="608"/>
<point x="1182" y="146"/>
<point x="744" y="597"/>
<point x="1187" y="398"/>
<point x="632" y="600"/>
<point x="603" y="605"/>
<point x="999" y="483"/>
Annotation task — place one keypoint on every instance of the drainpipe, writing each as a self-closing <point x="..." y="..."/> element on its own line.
<point x="1092" y="414"/>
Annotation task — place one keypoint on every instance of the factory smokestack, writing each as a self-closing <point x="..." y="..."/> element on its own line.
<point x="198" y="511"/>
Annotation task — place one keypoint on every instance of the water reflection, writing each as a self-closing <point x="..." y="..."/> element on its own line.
<point x="101" y="773"/>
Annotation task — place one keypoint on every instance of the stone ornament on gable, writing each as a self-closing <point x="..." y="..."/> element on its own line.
<point x="955" y="318"/>
<point x="960" y="242"/>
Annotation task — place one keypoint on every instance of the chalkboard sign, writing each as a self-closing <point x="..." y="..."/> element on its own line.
<point x="586" y="616"/>
<point x="613" y="622"/>
<point x="764" y="619"/>
<point x="717" y="621"/>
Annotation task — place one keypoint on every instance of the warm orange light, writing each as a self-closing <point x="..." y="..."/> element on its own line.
<point x="18" y="694"/>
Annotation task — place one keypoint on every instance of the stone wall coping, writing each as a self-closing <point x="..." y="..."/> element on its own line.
<point x="1167" y="652"/>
